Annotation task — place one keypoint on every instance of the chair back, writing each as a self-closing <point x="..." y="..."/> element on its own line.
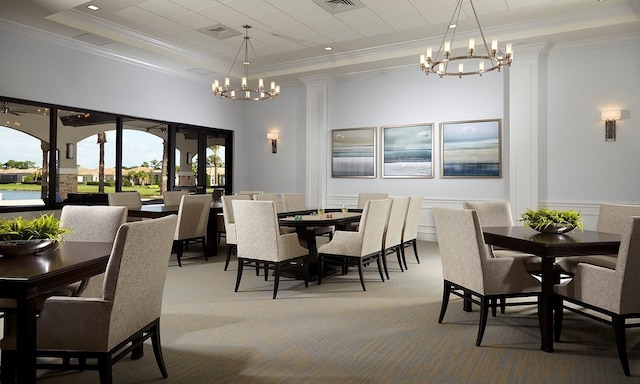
<point x="613" y="218"/>
<point x="227" y="215"/>
<point x="249" y="193"/>
<point x="193" y="216"/>
<point x="131" y="200"/>
<point x="268" y="197"/>
<point x="174" y="197"/>
<point x="395" y="226"/>
<point x="363" y="197"/>
<point x="627" y="270"/>
<point x="257" y="229"/>
<point x="492" y="213"/>
<point x="92" y="223"/>
<point x="294" y="202"/>
<point x="373" y="225"/>
<point x="461" y="246"/>
<point x="410" y="230"/>
<point x="135" y="275"/>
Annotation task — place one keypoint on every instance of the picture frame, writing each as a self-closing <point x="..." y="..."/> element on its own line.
<point x="353" y="152"/>
<point x="471" y="149"/>
<point x="407" y="151"/>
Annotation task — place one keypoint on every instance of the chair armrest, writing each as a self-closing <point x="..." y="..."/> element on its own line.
<point x="348" y="243"/>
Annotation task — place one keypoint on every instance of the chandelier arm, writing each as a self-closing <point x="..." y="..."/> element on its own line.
<point x="257" y="60"/>
<point x="234" y="60"/>
<point x="475" y="15"/>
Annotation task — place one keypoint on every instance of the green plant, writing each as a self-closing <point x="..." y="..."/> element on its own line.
<point x="44" y="227"/>
<point x="542" y="218"/>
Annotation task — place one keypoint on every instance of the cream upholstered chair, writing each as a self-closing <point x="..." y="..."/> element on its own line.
<point x="193" y="216"/>
<point x="131" y="200"/>
<point x="468" y="269"/>
<point x="229" y="224"/>
<point x="392" y="241"/>
<point x="612" y="218"/>
<point x="174" y="197"/>
<point x="610" y="292"/>
<point x="358" y="247"/>
<point x="296" y="202"/>
<point x="260" y="241"/>
<point x="125" y="315"/>
<point x="410" y="231"/>
<point x="363" y="197"/>
<point x="268" y="197"/>
<point x="249" y="193"/>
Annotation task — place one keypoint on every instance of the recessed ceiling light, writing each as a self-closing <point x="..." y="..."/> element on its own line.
<point x="328" y="48"/>
<point x="93" y="7"/>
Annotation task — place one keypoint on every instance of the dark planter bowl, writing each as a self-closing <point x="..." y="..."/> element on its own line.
<point x="24" y="247"/>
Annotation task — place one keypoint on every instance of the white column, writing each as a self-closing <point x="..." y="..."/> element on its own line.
<point x="317" y="88"/>
<point x="525" y="121"/>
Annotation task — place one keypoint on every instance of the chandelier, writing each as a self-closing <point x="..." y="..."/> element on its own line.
<point x="478" y="61"/>
<point x="260" y="93"/>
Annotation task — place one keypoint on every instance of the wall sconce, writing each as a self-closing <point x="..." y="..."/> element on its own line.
<point x="610" y="117"/>
<point x="71" y="151"/>
<point x="188" y="159"/>
<point x="273" y="136"/>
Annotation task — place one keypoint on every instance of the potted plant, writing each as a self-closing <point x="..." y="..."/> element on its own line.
<point x="552" y="221"/>
<point x="24" y="236"/>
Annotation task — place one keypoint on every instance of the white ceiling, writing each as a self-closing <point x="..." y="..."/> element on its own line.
<point x="289" y="36"/>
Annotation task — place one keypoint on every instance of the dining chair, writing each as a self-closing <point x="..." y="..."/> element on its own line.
<point x="174" y="197"/>
<point x="392" y="241"/>
<point x="612" y="218"/>
<point x="410" y="230"/>
<point x="296" y="202"/>
<point x="131" y="200"/>
<point x="126" y="314"/>
<point x="360" y="247"/>
<point x="193" y="216"/>
<point x="249" y="193"/>
<point x="469" y="271"/>
<point x="259" y="241"/>
<point x="268" y="197"/>
<point x="363" y="197"/>
<point x="612" y="293"/>
<point x="229" y="224"/>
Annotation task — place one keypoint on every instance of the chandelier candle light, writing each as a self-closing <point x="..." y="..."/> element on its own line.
<point x="226" y="91"/>
<point x="442" y="64"/>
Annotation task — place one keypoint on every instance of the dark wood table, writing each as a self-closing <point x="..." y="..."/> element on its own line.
<point x="548" y="247"/>
<point x="24" y="278"/>
<point x="153" y="211"/>
<point x="305" y="227"/>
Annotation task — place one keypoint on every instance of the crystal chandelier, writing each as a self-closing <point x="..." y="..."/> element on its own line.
<point x="478" y="62"/>
<point x="260" y="93"/>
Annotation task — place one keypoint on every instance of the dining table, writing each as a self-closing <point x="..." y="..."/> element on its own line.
<point x="305" y="222"/>
<point x="549" y="246"/>
<point x="26" y="278"/>
<point x="153" y="211"/>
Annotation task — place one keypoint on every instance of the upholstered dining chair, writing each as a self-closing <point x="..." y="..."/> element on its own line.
<point x="295" y="202"/>
<point x="612" y="293"/>
<point x="268" y="197"/>
<point x="193" y="216"/>
<point x="174" y="197"/>
<point x="229" y="224"/>
<point x="612" y="218"/>
<point x="392" y="241"/>
<point x="358" y="247"/>
<point x="470" y="272"/>
<point x="131" y="200"/>
<point x="117" y="322"/>
<point x="260" y="241"/>
<point x="363" y="197"/>
<point x="410" y="230"/>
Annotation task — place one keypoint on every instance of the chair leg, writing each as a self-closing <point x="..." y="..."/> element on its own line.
<point x="229" y="252"/>
<point x="445" y="300"/>
<point x="276" y="272"/>
<point x="380" y="267"/>
<point x="621" y="342"/>
<point x="399" y="257"/>
<point x="179" y="250"/>
<point x="157" y="348"/>
<point x="104" y="368"/>
<point x="404" y="259"/>
<point x="415" y="250"/>
<point x="558" y="314"/>
<point x="305" y="271"/>
<point x="204" y="248"/>
<point x="239" y="276"/>
<point x="484" y="313"/>
<point x="384" y="262"/>
<point x="360" y="267"/>
<point x="320" y="268"/>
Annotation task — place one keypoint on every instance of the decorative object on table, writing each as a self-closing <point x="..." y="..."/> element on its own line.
<point x="407" y="151"/>
<point x="547" y="220"/>
<point x="471" y="148"/>
<point x="353" y="152"/>
<point x="20" y="236"/>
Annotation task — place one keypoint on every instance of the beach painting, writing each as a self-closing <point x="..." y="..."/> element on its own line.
<point x="353" y="152"/>
<point x="471" y="148"/>
<point x="407" y="151"/>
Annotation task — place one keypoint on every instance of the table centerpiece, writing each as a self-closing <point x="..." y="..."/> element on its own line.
<point x="20" y="236"/>
<point x="547" y="220"/>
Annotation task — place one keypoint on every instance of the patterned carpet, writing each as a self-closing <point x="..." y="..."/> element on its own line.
<point x="336" y="333"/>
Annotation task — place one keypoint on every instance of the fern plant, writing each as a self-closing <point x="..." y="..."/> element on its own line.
<point x="44" y="227"/>
<point x="542" y="218"/>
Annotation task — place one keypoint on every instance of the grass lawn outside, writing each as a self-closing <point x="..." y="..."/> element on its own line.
<point x="146" y="191"/>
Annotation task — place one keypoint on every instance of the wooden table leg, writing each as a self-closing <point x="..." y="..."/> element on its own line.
<point x="545" y="311"/>
<point x="26" y="340"/>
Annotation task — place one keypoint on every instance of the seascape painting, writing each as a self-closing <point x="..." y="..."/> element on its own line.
<point x="471" y="148"/>
<point x="407" y="151"/>
<point x="353" y="152"/>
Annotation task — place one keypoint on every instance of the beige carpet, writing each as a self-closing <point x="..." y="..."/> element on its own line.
<point x="336" y="333"/>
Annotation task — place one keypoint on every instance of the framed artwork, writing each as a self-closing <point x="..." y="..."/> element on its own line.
<point x="353" y="152"/>
<point x="471" y="148"/>
<point x="407" y="151"/>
